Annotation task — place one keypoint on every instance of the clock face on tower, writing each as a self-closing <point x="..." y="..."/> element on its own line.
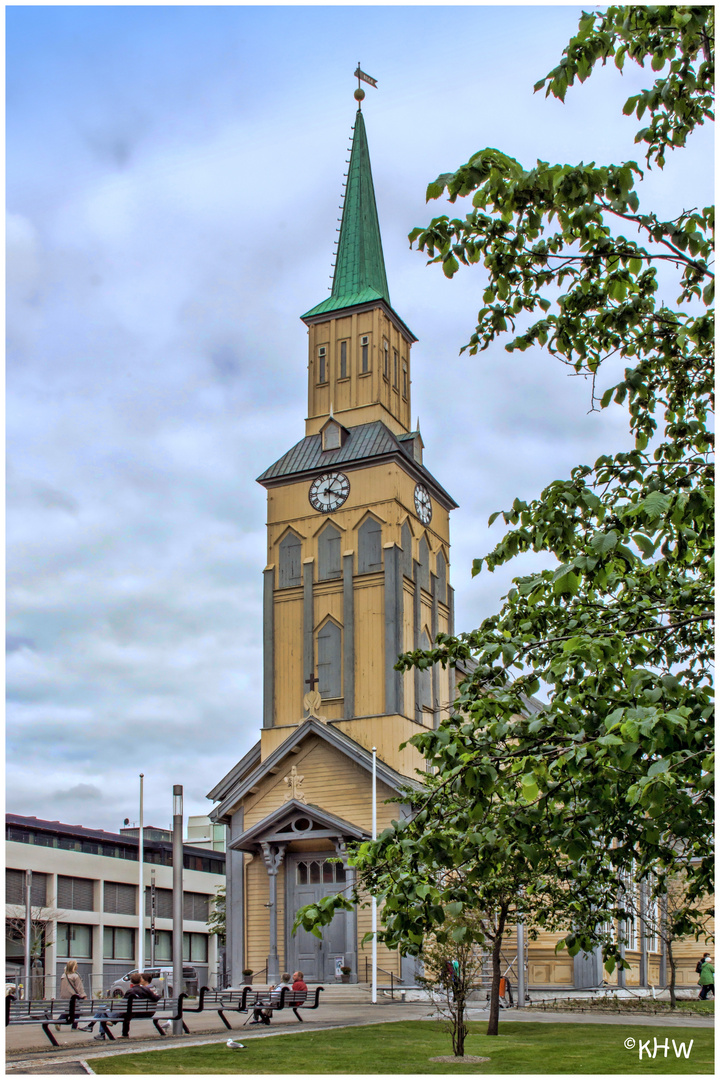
<point x="423" y="506"/>
<point x="329" y="491"/>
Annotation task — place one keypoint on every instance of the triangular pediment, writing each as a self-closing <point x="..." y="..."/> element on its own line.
<point x="295" y="820"/>
<point x="238" y="786"/>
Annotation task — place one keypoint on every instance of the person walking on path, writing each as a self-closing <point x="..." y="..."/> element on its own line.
<point x="707" y="979"/>
<point x="70" y="985"/>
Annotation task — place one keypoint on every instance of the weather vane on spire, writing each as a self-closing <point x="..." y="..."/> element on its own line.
<point x="360" y="93"/>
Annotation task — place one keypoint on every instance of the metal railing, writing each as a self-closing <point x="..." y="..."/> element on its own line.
<point x="393" y="977"/>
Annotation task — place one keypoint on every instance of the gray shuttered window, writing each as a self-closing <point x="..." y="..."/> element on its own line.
<point x="441" y="578"/>
<point x="369" y="547"/>
<point x="329" y="653"/>
<point x="120" y="898"/>
<point x="329" y="565"/>
<point x="163" y="903"/>
<point x="195" y="906"/>
<point x="75" y="893"/>
<point x="425" y="677"/>
<point x="424" y="558"/>
<point x="406" y="541"/>
<point x="15" y="888"/>
<point x="290" y="558"/>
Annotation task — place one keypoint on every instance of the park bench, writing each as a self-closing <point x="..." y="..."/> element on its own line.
<point x="120" y="1011"/>
<point x="221" y="1001"/>
<point x="43" y="1012"/>
<point x="285" y="999"/>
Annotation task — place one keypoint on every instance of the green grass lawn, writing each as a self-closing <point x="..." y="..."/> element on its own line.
<point x="406" y="1046"/>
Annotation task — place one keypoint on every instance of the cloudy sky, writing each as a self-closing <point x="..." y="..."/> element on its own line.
<point x="173" y="178"/>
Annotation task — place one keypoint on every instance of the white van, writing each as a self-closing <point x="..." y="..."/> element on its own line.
<point x="162" y="981"/>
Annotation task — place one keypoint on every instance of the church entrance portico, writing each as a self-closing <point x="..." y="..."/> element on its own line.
<point x="309" y="845"/>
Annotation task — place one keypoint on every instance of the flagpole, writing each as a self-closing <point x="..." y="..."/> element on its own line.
<point x="141" y="890"/>
<point x="373" y="996"/>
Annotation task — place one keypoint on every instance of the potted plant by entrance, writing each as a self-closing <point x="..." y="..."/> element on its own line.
<point x="247" y="976"/>
<point x="345" y="974"/>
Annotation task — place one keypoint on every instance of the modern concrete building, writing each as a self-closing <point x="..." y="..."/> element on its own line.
<point x="85" y="901"/>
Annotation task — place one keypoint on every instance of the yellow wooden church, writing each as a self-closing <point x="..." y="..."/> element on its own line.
<point x="358" y="555"/>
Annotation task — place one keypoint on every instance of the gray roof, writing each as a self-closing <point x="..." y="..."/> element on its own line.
<point x="365" y="441"/>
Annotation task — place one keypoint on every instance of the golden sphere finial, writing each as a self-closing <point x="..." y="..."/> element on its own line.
<point x="359" y="94"/>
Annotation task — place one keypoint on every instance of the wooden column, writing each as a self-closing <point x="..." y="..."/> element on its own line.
<point x="268" y="647"/>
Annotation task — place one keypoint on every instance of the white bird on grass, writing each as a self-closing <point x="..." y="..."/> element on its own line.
<point x="232" y="1045"/>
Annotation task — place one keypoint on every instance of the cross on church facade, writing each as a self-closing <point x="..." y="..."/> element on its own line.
<point x="312" y="680"/>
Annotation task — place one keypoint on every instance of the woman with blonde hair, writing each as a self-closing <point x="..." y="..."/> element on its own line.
<point x="71" y="983"/>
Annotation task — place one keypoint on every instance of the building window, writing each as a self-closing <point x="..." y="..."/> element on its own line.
<point x="441" y="586"/>
<point x="289" y="558"/>
<point x="195" y="948"/>
<point x="386" y="360"/>
<point x="424" y="560"/>
<point x="74" y="940"/>
<point x="404" y="386"/>
<point x="313" y="871"/>
<point x="119" y="898"/>
<point x="163" y="945"/>
<point x="343" y="360"/>
<point x="426" y="702"/>
<point x="329" y="646"/>
<point x="15" y="888"/>
<point x="118" y="943"/>
<point x="369" y="547"/>
<point x="75" y="894"/>
<point x="322" y="364"/>
<point x="195" y="906"/>
<point x="163" y="903"/>
<point x="329" y="553"/>
<point x="395" y="368"/>
<point x="364" y="355"/>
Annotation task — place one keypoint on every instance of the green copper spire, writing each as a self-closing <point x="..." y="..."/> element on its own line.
<point x="359" y="268"/>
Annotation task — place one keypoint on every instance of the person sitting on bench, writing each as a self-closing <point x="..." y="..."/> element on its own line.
<point x="261" y="1014"/>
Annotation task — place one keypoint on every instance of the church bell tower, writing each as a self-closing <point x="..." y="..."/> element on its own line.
<point x="357" y="572"/>
<point x="358" y="531"/>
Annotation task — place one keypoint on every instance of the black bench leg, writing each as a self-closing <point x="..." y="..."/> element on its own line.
<point x="51" y="1037"/>
<point x="158" y="1028"/>
<point x="105" y="1029"/>
<point x="186" y="1029"/>
<point x="298" y="1016"/>
<point x="221" y="1014"/>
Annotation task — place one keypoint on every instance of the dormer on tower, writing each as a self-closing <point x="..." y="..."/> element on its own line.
<point x="359" y="348"/>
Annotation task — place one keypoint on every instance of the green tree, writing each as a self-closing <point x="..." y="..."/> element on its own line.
<point x="617" y="631"/>
<point x="540" y="813"/>
<point x="216" y="918"/>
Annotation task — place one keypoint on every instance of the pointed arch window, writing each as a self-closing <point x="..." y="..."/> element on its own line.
<point x="386" y="360"/>
<point x="329" y="660"/>
<point x="290" y="550"/>
<point x="329" y="562"/>
<point x="406" y="542"/>
<point x="369" y="547"/>
<point x="441" y="586"/>
<point x="424" y="560"/>
<point x="425" y="704"/>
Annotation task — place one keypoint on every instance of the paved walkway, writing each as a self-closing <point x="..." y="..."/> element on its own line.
<point x="29" y="1051"/>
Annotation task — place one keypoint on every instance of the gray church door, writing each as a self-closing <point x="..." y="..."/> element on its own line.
<point x="309" y="878"/>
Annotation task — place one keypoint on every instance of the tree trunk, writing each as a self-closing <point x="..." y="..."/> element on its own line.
<point x="495" y="988"/>
<point x="671" y="961"/>
<point x="459" y="1030"/>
